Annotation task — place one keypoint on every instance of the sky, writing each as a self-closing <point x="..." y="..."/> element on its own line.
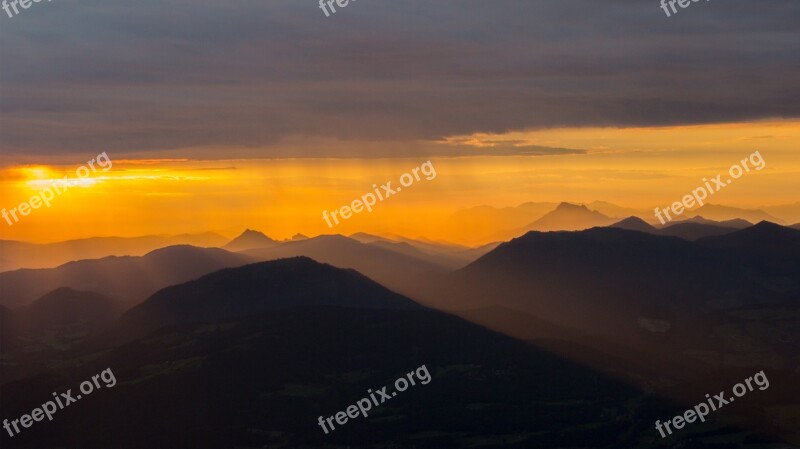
<point x="262" y="114"/>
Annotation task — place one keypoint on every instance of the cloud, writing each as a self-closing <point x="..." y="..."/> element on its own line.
<point x="158" y="76"/>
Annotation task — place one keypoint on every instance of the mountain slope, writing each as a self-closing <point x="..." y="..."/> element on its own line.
<point x="256" y="288"/>
<point x="7" y="331"/>
<point x="612" y="210"/>
<point x="722" y="213"/>
<point x="126" y="279"/>
<point x="392" y="269"/>
<point x="568" y="217"/>
<point x="262" y="380"/>
<point x="688" y="230"/>
<point x="617" y="283"/>
<point x="634" y="223"/>
<point x="65" y="306"/>
<point x="249" y="239"/>
<point x="28" y="255"/>
<point x="765" y="238"/>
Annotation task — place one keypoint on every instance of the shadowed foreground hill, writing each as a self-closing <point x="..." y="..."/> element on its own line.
<point x="690" y="313"/>
<point x="65" y="307"/>
<point x="256" y="288"/>
<point x="62" y="318"/>
<point x="608" y="280"/>
<point x="126" y="279"/>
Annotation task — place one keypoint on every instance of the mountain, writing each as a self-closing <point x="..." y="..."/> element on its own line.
<point x="7" y="331"/>
<point x="631" y="287"/>
<point x="796" y="226"/>
<point x="634" y="223"/>
<point x="765" y="238"/>
<point x="128" y="280"/>
<point x="249" y="239"/>
<point x="690" y="230"/>
<point x="65" y="306"/>
<point x="65" y="317"/>
<point x="29" y="255"/>
<point x="722" y="213"/>
<point x="736" y="223"/>
<point x="677" y="315"/>
<point x="392" y="269"/>
<point x="569" y="217"/>
<point x="257" y="288"/>
<point x="250" y="379"/>
<point x="446" y="255"/>
<point x="612" y="210"/>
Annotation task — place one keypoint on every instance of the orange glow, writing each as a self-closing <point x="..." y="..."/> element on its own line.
<point x="633" y="167"/>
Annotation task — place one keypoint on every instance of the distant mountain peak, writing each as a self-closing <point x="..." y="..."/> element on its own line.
<point x="767" y="225"/>
<point x="569" y="217"/>
<point x="250" y="239"/>
<point x="634" y="223"/>
<point x="563" y="207"/>
<point x="257" y="288"/>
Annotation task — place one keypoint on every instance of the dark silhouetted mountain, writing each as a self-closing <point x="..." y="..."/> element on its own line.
<point x="299" y="236"/>
<point x="257" y="288"/>
<point x="693" y="231"/>
<point x="65" y="317"/>
<point x="247" y="379"/>
<point x="392" y="269"/>
<point x="128" y="280"/>
<point x="7" y="331"/>
<point x="619" y="284"/>
<point x="68" y="307"/>
<point x="635" y="224"/>
<point x="736" y="223"/>
<point x="688" y="311"/>
<point x="797" y="226"/>
<point x="263" y="381"/>
<point x="723" y="213"/>
<point x="28" y="255"/>
<point x="249" y="239"/>
<point x="765" y="238"/>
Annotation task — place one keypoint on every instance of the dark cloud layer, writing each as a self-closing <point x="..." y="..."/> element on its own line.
<point x="175" y="74"/>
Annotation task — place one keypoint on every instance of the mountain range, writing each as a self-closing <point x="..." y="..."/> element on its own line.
<point x="17" y="255"/>
<point x="606" y="330"/>
<point x="268" y="348"/>
<point x="126" y="279"/>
